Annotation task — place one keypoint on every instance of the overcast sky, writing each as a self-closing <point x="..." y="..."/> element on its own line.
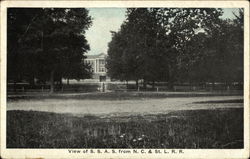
<point x="110" y="19"/>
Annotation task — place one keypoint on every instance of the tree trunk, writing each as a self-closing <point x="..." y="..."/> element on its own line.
<point x="15" y="85"/>
<point x="52" y="81"/>
<point x="137" y="84"/>
<point x="153" y="85"/>
<point x="31" y="80"/>
<point x="144" y="84"/>
<point x="60" y="82"/>
<point x="170" y="80"/>
<point x="67" y="81"/>
<point x="227" y="86"/>
<point x="213" y="85"/>
<point x="170" y="85"/>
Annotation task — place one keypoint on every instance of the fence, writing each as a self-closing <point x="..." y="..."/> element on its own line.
<point x="117" y="86"/>
<point x="58" y="88"/>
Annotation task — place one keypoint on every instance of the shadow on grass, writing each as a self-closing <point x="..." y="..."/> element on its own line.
<point x="218" y="128"/>
<point x="118" y="95"/>
<point x="221" y="101"/>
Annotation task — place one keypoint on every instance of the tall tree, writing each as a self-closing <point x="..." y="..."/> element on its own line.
<point x="19" y="22"/>
<point x="50" y="42"/>
<point x="158" y="40"/>
<point x="182" y="26"/>
<point x="225" y="42"/>
<point x="137" y="41"/>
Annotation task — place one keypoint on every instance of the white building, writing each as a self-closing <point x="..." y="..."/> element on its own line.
<point x="98" y="63"/>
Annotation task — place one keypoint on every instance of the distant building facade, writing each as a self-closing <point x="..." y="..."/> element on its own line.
<point x="98" y="63"/>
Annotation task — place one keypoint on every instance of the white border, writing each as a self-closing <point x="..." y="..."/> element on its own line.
<point x="63" y="153"/>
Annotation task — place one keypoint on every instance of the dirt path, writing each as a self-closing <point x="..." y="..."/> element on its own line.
<point x="122" y="107"/>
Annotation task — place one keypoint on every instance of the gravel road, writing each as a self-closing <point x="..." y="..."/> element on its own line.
<point x="122" y="107"/>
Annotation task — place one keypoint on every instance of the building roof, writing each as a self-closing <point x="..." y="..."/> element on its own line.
<point x="96" y="56"/>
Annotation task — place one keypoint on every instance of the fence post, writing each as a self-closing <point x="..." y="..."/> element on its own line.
<point x="157" y="89"/>
<point x="23" y="89"/>
<point x="42" y="88"/>
<point x="62" y="89"/>
<point x="138" y="88"/>
<point x="103" y="87"/>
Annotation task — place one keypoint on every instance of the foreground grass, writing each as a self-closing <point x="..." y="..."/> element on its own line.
<point x="218" y="128"/>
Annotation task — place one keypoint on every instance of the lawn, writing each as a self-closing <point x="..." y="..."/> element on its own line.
<point x="215" y="128"/>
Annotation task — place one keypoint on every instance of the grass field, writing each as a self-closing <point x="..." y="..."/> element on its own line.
<point x="215" y="128"/>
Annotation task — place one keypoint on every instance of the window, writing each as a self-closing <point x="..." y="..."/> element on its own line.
<point x="102" y="62"/>
<point x="102" y="69"/>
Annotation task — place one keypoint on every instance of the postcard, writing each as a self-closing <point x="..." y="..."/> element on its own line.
<point x="124" y="79"/>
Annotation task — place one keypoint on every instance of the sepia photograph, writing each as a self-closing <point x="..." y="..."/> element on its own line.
<point x="125" y="78"/>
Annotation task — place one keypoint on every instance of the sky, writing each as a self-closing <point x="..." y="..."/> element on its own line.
<point x="110" y="19"/>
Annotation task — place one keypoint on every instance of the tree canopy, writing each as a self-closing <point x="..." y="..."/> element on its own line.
<point x="47" y="44"/>
<point x="177" y="45"/>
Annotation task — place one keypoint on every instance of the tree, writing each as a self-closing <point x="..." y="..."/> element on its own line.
<point x="137" y="47"/>
<point x="160" y="42"/>
<point x="225" y="42"/>
<point x="216" y="54"/>
<point x="50" y="41"/>
<point x="182" y="27"/>
<point x="18" y="22"/>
